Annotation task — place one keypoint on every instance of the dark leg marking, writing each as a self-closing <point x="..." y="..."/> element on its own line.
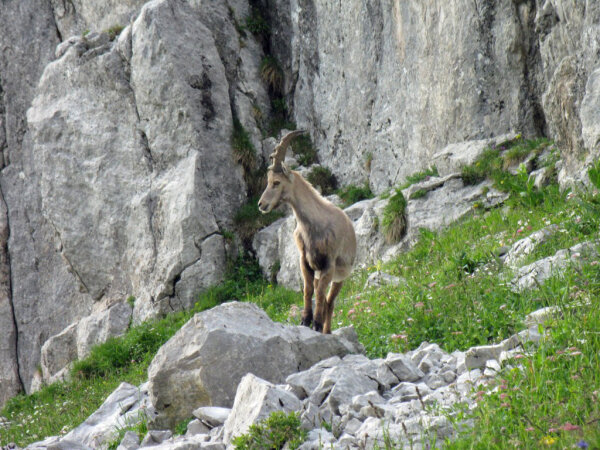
<point x="307" y="319"/>
<point x="318" y="326"/>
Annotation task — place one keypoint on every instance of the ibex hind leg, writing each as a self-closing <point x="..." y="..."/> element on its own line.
<point x="334" y="290"/>
<point x="309" y="277"/>
<point x="321" y="300"/>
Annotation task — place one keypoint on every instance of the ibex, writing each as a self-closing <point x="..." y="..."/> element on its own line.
<point x="324" y="236"/>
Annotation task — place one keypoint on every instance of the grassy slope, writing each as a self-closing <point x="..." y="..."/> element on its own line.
<point x="455" y="293"/>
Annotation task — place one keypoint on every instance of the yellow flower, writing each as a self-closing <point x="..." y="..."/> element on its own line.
<point x="547" y="440"/>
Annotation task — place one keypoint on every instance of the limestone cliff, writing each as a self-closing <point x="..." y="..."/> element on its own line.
<point x="117" y="174"/>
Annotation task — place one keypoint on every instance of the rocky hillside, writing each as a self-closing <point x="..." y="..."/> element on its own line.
<point x="118" y="178"/>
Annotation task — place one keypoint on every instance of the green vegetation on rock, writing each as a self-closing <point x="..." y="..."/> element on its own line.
<point x="394" y="218"/>
<point x="322" y="177"/>
<point x="273" y="433"/>
<point x="352" y="194"/>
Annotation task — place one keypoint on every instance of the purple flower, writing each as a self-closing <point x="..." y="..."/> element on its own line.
<point x="582" y="444"/>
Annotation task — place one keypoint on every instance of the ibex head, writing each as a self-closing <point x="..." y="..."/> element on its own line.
<point x="278" y="176"/>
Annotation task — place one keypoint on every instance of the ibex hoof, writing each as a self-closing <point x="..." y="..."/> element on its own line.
<point x="318" y="326"/>
<point x="307" y="320"/>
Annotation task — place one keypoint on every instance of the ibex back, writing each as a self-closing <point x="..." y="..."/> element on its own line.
<point x="324" y="235"/>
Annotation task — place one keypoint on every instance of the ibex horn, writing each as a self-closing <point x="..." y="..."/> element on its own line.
<point x="278" y="154"/>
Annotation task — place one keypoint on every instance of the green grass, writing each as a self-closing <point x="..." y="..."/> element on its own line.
<point x="554" y="400"/>
<point x="419" y="176"/>
<point x="494" y="162"/>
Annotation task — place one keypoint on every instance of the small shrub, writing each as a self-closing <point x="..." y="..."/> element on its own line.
<point x="274" y="271"/>
<point x="273" y="433"/>
<point x="131" y="301"/>
<point x="352" y="194"/>
<point x="279" y="118"/>
<point x="248" y="220"/>
<point x="323" y="178"/>
<point x="394" y="218"/>
<point x="304" y="151"/>
<point x="272" y="74"/>
<point x="243" y="148"/>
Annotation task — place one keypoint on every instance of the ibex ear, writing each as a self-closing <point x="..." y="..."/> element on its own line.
<point x="286" y="171"/>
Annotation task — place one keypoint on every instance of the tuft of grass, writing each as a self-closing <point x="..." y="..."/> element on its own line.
<point x="139" y="426"/>
<point x="272" y="74"/>
<point x="352" y="194"/>
<point x="277" y="431"/>
<point x="419" y="193"/>
<point x="494" y="162"/>
<point x="488" y="163"/>
<point x="114" y="31"/>
<point x="419" y="176"/>
<point x="323" y="178"/>
<point x="394" y="217"/>
<point x="243" y="148"/>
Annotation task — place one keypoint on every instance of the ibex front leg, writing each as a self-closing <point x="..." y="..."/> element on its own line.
<point x="309" y="277"/>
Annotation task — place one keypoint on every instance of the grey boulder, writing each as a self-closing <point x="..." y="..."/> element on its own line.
<point x="203" y="363"/>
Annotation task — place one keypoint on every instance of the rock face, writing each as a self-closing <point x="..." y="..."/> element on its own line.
<point x="121" y="176"/>
<point x="203" y="363"/>
<point x="385" y="82"/>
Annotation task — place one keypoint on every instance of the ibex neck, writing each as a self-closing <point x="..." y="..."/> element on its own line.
<point x="306" y="202"/>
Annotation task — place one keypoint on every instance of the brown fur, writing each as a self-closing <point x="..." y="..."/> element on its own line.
<point x="324" y="236"/>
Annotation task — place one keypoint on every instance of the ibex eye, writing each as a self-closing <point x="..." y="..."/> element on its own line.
<point x="276" y="183"/>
